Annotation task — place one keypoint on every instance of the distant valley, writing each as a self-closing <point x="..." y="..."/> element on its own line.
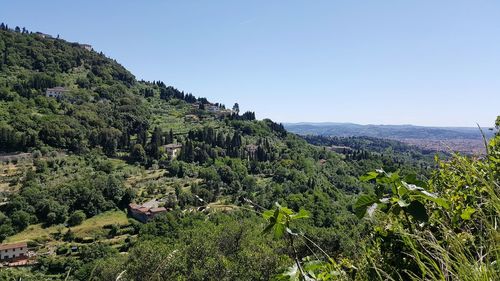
<point x="461" y="139"/>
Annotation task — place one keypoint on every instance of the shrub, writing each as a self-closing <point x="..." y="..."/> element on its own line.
<point x="76" y="218"/>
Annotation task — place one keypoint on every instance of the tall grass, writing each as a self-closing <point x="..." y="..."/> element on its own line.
<point x="468" y="250"/>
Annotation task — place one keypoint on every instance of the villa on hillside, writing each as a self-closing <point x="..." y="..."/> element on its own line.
<point x="252" y="150"/>
<point x="224" y="112"/>
<point x="173" y="150"/>
<point x="14" y="157"/>
<point x="43" y="35"/>
<point x="57" y="92"/>
<point x="12" y="252"/>
<point x="86" y="47"/>
<point x="212" y="107"/>
<point x="340" y="149"/>
<point x="146" y="211"/>
<point x="191" y="118"/>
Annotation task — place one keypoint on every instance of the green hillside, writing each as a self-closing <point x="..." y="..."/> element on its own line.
<point x="246" y="199"/>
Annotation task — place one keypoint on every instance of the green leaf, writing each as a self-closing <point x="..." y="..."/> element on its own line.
<point x="272" y="217"/>
<point x="286" y="211"/>
<point x="279" y="230"/>
<point x="466" y="214"/>
<point x="440" y="202"/>
<point x="394" y="177"/>
<point x="402" y="189"/>
<point x="302" y="214"/>
<point x="420" y="192"/>
<point x="369" y="176"/>
<point x="268" y="228"/>
<point x="417" y="210"/>
<point x="433" y="198"/>
<point x="363" y="202"/>
<point x="268" y="214"/>
<point x="412" y="179"/>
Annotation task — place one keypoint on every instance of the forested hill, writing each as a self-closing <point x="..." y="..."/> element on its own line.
<point x="104" y="104"/>
<point x="104" y="143"/>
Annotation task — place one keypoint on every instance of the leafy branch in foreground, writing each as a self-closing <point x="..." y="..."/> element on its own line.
<point x="307" y="268"/>
<point x="394" y="195"/>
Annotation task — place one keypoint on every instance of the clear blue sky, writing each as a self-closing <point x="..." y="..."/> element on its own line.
<point x="423" y="62"/>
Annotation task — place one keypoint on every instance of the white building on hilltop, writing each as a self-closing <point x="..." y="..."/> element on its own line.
<point x="212" y="108"/>
<point x="86" y="47"/>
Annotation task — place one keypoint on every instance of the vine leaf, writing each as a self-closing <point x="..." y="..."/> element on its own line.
<point x="364" y="201"/>
<point x="467" y="213"/>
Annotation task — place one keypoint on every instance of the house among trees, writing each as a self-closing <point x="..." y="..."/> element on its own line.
<point x="146" y="211"/>
<point x="173" y="150"/>
<point x="43" y="35"/>
<point x="212" y="108"/>
<point x="224" y="112"/>
<point x="86" y="47"/>
<point x="13" y="252"/>
<point x="252" y="150"/>
<point x="57" y="92"/>
<point x="191" y="118"/>
<point x="14" y="157"/>
<point x="195" y="106"/>
<point x="340" y="149"/>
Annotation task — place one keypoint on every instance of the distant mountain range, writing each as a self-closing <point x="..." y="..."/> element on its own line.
<point x="399" y="132"/>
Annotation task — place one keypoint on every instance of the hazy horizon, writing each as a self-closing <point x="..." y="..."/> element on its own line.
<point x="372" y="124"/>
<point x="387" y="62"/>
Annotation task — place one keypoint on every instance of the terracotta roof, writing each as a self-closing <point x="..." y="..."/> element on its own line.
<point x="173" y="145"/>
<point x="21" y="262"/>
<point x="62" y="89"/>
<point x="252" y="147"/>
<point x="133" y="206"/>
<point x="14" y="245"/>
<point x="158" y="210"/>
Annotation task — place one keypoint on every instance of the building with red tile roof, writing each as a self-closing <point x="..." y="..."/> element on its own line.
<point x="13" y="251"/>
<point x="144" y="213"/>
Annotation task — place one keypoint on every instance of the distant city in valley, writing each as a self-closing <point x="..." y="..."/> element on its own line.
<point x="446" y="139"/>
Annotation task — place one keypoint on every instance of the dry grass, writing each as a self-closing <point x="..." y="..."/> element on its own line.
<point x="88" y="228"/>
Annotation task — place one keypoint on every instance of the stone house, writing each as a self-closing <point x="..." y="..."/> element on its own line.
<point x="86" y="47"/>
<point x="144" y="212"/>
<point x="173" y="150"/>
<point x="14" y="251"/>
<point x="57" y="92"/>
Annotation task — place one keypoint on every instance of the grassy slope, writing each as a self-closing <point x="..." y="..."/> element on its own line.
<point x="88" y="228"/>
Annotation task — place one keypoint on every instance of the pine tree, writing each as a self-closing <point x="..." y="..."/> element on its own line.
<point x="155" y="143"/>
<point x="236" y="108"/>
<point x="180" y="173"/>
